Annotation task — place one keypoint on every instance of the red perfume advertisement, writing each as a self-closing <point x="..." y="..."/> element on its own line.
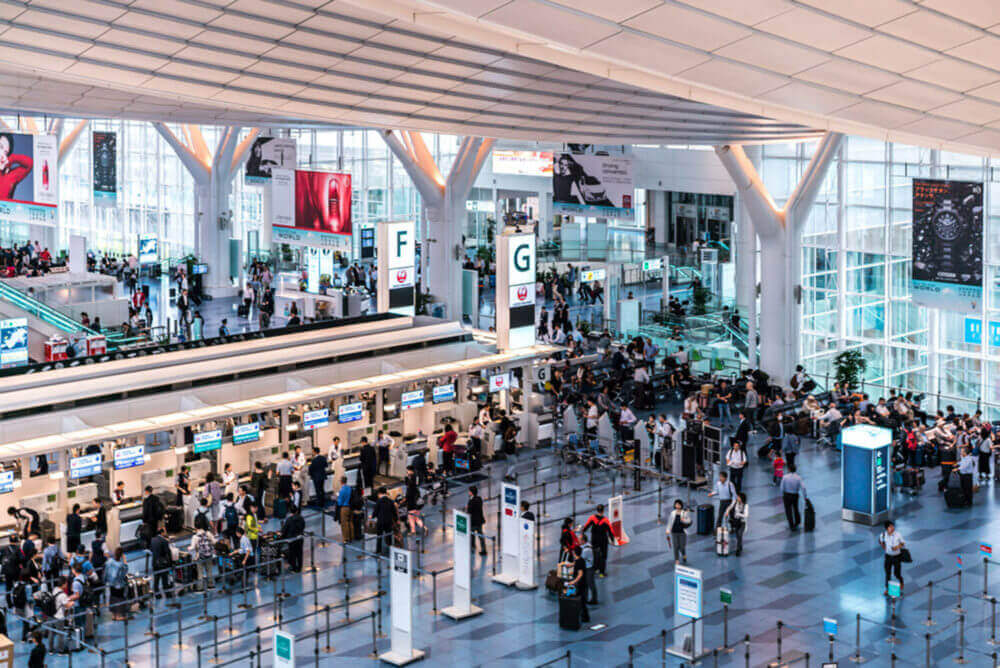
<point x="323" y="202"/>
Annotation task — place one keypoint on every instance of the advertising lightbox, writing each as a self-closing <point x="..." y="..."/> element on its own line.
<point x="29" y="178"/>
<point x="149" y="252"/>
<point x="13" y="342"/>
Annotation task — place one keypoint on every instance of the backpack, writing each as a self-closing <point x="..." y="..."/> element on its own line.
<point x="87" y="597"/>
<point x="232" y="518"/>
<point x="201" y="519"/>
<point x="205" y="548"/>
<point x="56" y="564"/>
<point x="18" y="596"/>
<point x="46" y="602"/>
<point x="357" y="500"/>
<point x="11" y="562"/>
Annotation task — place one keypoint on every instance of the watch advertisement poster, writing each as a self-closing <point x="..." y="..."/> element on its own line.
<point x="948" y="245"/>
<point x="105" y="168"/>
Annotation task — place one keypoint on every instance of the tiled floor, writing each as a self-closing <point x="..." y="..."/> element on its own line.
<point x="793" y="577"/>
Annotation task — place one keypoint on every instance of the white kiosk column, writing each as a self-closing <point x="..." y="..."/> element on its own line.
<point x="461" y="606"/>
<point x="510" y="535"/>
<point x="401" y="601"/>
<point x="515" y="296"/>
<point x="396" y="267"/>
<point x="526" y="558"/>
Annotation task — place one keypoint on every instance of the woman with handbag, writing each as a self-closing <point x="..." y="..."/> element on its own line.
<point x="738" y="513"/>
<point x="895" y="554"/>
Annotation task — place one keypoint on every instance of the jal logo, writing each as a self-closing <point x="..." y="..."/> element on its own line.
<point x="522" y="294"/>
<point x="498" y="381"/>
<point x="401" y="276"/>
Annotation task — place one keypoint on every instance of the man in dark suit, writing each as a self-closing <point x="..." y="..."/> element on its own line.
<point x="74" y="527"/>
<point x="385" y="519"/>
<point x="369" y="464"/>
<point x="317" y="471"/>
<point x="291" y="530"/>
<point x="152" y="514"/>
<point x="159" y="548"/>
<point x="476" y="518"/>
<point x="743" y="430"/>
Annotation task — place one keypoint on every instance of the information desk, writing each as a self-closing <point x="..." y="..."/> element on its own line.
<point x="866" y="480"/>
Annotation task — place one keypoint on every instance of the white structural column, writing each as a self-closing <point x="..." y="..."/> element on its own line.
<point x="780" y="233"/>
<point x="213" y="175"/>
<point x="444" y="208"/>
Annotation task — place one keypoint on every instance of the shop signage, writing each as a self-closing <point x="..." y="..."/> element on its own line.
<point x="246" y="433"/>
<point x="81" y="467"/>
<point x="652" y="265"/>
<point x="208" y="440"/>
<point x="522" y="295"/>
<point x="126" y="458"/>
<point x="401" y="278"/>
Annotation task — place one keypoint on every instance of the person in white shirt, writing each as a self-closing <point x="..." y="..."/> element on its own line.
<point x="640" y="375"/>
<point x="484" y="417"/>
<point x="664" y="431"/>
<point x="558" y="336"/>
<point x="334" y="453"/>
<point x="968" y="468"/>
<point x="681" y="356"/>
<point x="691" y="405"/>
<point x="229" y="481"/>
<point x="592" y="416"/>
<point x="677" y="526"/>
<point x="726" y="491"/>
<point x="893" y="544"/>
<point x="736" y="460"/>
<point x="738" y="514"/>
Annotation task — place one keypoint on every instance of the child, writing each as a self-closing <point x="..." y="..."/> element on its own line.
<point x="779" y="466"/>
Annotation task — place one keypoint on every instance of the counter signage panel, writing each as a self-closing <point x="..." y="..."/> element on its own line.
<point x="6" y="482"/>
<point x="246" y="433"/>
<point x="350" y="412"/>
<point x="208" y="440"/>
<point x="444" y="393"/>
<point x="595" y="275"/>
<point x="126" y="458"/>
<point x="81" y="467"/>
<point x="414" y="399"/>
<point x="314" y="419"/>
<point x="499" y="382"/>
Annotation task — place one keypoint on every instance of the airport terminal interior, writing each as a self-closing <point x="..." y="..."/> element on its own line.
<point x="528" y="333"/>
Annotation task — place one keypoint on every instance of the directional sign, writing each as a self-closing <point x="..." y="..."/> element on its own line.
<point x="830" y="626"/>
<point x="986" y="550"/>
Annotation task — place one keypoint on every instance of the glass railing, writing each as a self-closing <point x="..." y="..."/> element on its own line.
<point x="39" y="310"/>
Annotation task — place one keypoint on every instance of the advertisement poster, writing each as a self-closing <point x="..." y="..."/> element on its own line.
<point x="105" y="168"/>
<point x="149" y="252"/>
<point x="593" y="185"/>
<point x="522" y="163"/>
<point x="322" y="208"/>
<point x="269" y="153"/>
<point x="948" y="245"/>
<point x="13" y="342"/>
<point x="28" y="178"/>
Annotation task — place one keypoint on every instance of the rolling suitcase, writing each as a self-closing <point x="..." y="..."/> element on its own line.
<point x="954" y="498"/>
<point x="570" y="608"/>
<point x="809" y="517"/>
<point x="175" y="519"/>
<point x="722" y="541"/>
<point x="280" y="508"/>
<point x="706" y="519"/>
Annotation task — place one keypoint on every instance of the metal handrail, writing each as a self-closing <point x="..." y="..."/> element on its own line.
<point x="42" y="311"/>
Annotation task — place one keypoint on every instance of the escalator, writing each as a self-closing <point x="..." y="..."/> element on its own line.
<point x="44" y="322"/>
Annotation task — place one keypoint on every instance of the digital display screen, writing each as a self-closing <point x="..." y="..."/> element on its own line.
<point x="6" y="481"/>
<point x="208" y="440"/>
<point x="350" y="412"/>
<point x="246" y="433"/>
<point x="126" y="458"/>
<point x="413" y="399"/>
<point x="81" y="467"/>
<point x="13" y="342"/>
<point x="522" y="316"/>
<point x="499" y="382"/>
<point x="148" y="249"/>
<point x="444" y="393"/>
<point x="318" y="418"/>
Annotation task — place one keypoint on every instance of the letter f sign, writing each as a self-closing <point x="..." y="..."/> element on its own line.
<point x="401" y="241"/>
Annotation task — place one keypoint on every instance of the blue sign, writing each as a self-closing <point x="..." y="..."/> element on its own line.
<point x="126" y="458"/>
<point x="148" y="249"/>
<point x="830" y="626"/>
<point x="444" y="393"/>
<point x="413" y="399"/>
<point x="13" y="342"/>
<point x="994" y="334"/>
<point x="81" y="467"/>
<point x="6" y="481"/>
<point x="974" y="331"/>
<point x="246" y="433"/>
<point x="350" y="412"/>
<point x="208" y="440"/>
<point x="687" y="592"/>
<point x="314" y="419"/>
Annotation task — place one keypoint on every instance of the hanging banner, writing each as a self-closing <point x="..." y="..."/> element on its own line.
<point x="267" y="154"/>
<point x="616" y="517"/>
<point x="948" y="245"/>
<point x="401" y="609"/>
<point x="593" y="185"/>
<point x="310" y="208"/>
<point x="28" y="178"/>
<point x="461" y="606"/>
<point x="105" y="168"/>
<point x="526" y="560"/>
<point x="510" y="537"/>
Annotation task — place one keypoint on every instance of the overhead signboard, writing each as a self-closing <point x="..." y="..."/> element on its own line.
<point x="655" y="264"/>
<point x="13" y="342"/>
<point x="593" y="185"/>
<point x="350" y="412"/>
<point x="204" y="441"/>
<point x="591" y="276"/>
<point x="246" y="433"/>
<point x="6" y="482"/>
<point x="501" y="381"/>
<point x="522" y="163"/>
<point x="310" y="208"/>
<point x="316" y="418"/>
<point x="444" y="393"/>
<point x="82" y="467"/>
<point x="267" y="154"/>
<point x="126" y="458"/>
<point x="414" y="399"/>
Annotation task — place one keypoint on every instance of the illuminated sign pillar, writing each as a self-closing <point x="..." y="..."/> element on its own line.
<point x="515" y="296"/>
<point x="397" y="274"/>
<point x="866" y="474"/>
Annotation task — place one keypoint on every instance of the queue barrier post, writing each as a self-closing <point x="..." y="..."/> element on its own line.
<point x="857" y="639"/>
<point x="257" y="632"/>
<point x="961" y="639"/>
<point x="927" y="650"/>
<point x="215" y="639"/>
<point x="830" y="659"/>
<point x="958" y="609"/>
<point x="180" y="641"/>
<point x="746" y="651"/>
<point x="374" y="637"/>
<point x="199" y="656"/>
<point x="152" y="613"/>
<point x="892" y="639"/>
<point x="993" y="622"/>
<point x="494" y="541"/>
<point x="663" y="646"/>
<point x="245" y="605"/>
<point x="347" y="601"/>
<point x="659" y="502"/>
<point x="434" y="589"/>
<point x="328" y="648"/>
<point x="126" y="640"/>
<point x="231" y="630"/>
<point x="779" y="641"/>
<point x="535" y="463"/>
<point x="574" y="503"/>
<point x="930" y="604"/>
<point x="544" y="500"/>
<point x="156" y="648"/>
<point x="316" y="590"/>
<point x="631" y="656"/>
<point x="986" y="577"/>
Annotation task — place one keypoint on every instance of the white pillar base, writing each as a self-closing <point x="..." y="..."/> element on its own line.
<point x="401" y="659"/>
<point x="459" y="614"/>
<point x="525" y="587"/>
<point x="507" y="580"/>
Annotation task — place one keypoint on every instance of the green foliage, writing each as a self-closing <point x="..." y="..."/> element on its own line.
<point x="699" y="300"/>
<point x="848" y="366"/>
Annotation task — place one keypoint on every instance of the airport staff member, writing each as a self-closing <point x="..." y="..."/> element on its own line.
<point x="285" y="468"/>
<point x="968" y="467"/>
<point x="317" y="471"/>
<point x="26" y="519"/>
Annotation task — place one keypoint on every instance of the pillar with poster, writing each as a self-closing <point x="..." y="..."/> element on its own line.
<point x="515" y="296"/>
<point x="397" y="267"/>
<point x="616" y="511"/>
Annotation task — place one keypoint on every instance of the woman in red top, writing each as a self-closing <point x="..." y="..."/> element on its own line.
<point x="13" y="168"/>
<point x="446" y="442"/>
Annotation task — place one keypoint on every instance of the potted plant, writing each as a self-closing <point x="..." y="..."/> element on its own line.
<point x="699" y="299"/>
<point x="848" y="367"/>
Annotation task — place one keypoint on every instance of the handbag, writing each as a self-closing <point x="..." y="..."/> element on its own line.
<point x="905" y="556"/>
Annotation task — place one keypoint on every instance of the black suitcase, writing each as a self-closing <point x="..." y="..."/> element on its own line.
<point x="175" y="519"/>
<point x="954" y="497"/>
<point x="570" y="609"/>
<point x="270" y="561"/>
<point x="809" y="517"/>
<point x="764" y="451"/>
<point x="706" y="519"/>
<point x="242" y="311"/>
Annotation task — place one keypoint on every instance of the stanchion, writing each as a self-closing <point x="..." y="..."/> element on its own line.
<point x="631" y="656"/>
<point x="259" y="653"/>
<point x="961" y="639"/>
<point x="857" y="640"/>
<point x="245" y="605"/>
<point x="126" y="640"/>
<point x="380" y="594"/>
<point x="746" y="650"/>
<point x="180" y="641"/>
<point x="374" y="643"/>
<point x="725" y="629"/>
<point x="328" y="647"/>
<point x="715" y="657"/>
<point x="573" y="515"/>
<point x="659" y="502"/>
<point x="930" y="604"/>
<point x="494" y="541"/>
<point x="316" y="590"/>
<point x="831" y="648"/>
<point x="986" y="577"/>
<point x="993" y="622"/>
<point x="538" y="537"/>
<point x="231" y="630"/>
<point x="156" y="648"/>
<point x="275" y="598"/>
<point x="663" y="646"/>
<point x="535" y="480"/>
<point x="892" y="639"/>
<point x="927" y="650"/>
<point x="958" y="609"/>
<point x="590" y="482"/>
<point x="434" y="588"/>
<point x="779" y="641"/>
<point x="204" y="601"/>
<point x="322" y="527"/>
<point x="544" y="499"/>
<point x="312" y="552"/>
<point x="198" y="648"/>
<point x="152" y="614"/>
<point x="347" y="601"/>
<point x="215" y="639"/>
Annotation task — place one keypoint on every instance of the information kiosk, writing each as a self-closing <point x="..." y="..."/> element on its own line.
<point x="866" y="483"/>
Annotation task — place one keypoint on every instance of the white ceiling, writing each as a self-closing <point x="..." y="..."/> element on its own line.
<point x="365" y="63"/>
<point x="924" y="72"/>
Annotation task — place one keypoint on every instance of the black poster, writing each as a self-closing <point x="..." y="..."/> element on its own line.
<point x="948" y="244"/>
<point x="105" y="167"/>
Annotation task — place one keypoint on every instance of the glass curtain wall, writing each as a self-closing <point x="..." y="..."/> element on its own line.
<point x="857" y="266"/>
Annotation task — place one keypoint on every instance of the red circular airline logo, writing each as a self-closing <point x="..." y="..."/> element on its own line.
<point x="498" y="381"/>
<point x="401" y="276"/>
<point x="522" y="294"/>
